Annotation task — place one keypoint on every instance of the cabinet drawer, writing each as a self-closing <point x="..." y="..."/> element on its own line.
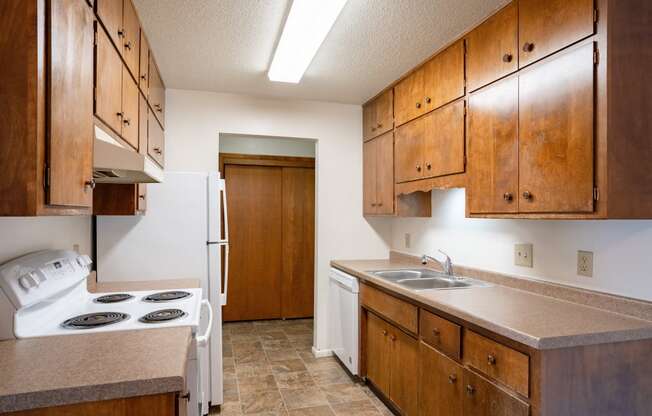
<point x="440" y="333"/>
<point x="504" y="364"/>
<point x="396" y="310"/>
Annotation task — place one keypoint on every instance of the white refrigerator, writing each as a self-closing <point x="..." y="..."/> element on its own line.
<point x="184" y="234"/>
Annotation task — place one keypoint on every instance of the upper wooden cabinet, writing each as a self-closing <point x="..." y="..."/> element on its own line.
<point x="378" y="175"/>
<point x="131" y="38"/>
<point x="378" y="115"/>
<point x="108" y="88"/>
<point x="492" y="48"/>
<point x="130" y="108"/>
<point x="110" y="14"/>
<point x="443" y="77"/>
<point x="156" y="91"/>
<point x="155" y="139"/>
<point x="545" y="27"/>
<point x="143" y="77"/>
<point x="46" y="108"/>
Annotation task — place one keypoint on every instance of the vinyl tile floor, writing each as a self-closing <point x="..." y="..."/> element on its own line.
<point x="269" y="369"/>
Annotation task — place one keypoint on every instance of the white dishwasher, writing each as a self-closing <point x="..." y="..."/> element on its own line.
<point x="344" y="318"/>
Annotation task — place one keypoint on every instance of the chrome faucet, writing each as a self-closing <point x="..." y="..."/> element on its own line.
<point x="446" y="265"/>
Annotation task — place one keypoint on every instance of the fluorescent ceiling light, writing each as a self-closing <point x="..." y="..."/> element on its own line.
<point x="305" y="29"/>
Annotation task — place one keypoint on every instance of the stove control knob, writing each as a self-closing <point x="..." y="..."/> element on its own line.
<point x="28" y="281"/>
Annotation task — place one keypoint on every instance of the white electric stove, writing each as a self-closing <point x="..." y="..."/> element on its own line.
<point x="44" y="294"/>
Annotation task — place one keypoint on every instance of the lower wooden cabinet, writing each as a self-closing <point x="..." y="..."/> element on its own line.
<point x="483" y="398"/>
<point x="440" y="384"/>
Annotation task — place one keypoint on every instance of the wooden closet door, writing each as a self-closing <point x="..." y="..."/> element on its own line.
<point x="255" y="223"/>
<point x="297" y="286"/>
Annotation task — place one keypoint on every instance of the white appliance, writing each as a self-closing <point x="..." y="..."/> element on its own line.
<point x="343" y="318"/>
<point x="44" y="294"/>
<point x="181" y="236"/>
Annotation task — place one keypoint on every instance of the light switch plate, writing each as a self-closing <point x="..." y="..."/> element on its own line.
<point x="585" y="263"/>
<point x="524" y="255"/>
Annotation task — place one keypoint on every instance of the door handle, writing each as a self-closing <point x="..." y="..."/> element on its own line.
<point x="202" y="340"/>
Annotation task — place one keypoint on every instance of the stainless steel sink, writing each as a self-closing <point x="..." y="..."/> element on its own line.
<point x="426" y="279"/>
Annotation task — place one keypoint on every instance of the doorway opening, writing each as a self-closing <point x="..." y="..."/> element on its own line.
<point x="270" y="183"/>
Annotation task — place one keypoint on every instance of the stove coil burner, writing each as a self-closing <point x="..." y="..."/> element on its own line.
<point x="162" y="315"/>
<point x="167" y="296"/>
<point x="114" y="298"/>
<point x="94" y="320"/>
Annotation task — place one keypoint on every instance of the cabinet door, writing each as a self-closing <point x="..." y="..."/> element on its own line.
<point x="403" y="389"/>
<point x="483" y="398"/>
<point x="385" y="174"/>
<point x="378" y="353"/>
<point x="492" y="48"/>
<point x="155" y="139"/>
<point x="545" y="27"/>
<point x="409" y="151"/>
<point x="143" y="78"/>
<point x="110" y="14"/>
<point x="444" y="141"/>
<point x="141" y="205"/>
<point x="408" y="98"/>
<point x="493" y="149"/>
<point x="70" y="135"/>
<point x="384" y="112"/>
<point x="440" y="384"/>
<point x="369" y="177"/>
<point x="556" y="134"/>
<point x="156" y="91"/>
<point x="130" y="108"/>
<point x="143" y="115"/>
<point x="131" y="38"/>
<point x="108" y="99"/>
<point x="443" y="79"/>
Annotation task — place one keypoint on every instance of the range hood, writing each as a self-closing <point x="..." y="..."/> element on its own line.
<point x="115" y="163"/>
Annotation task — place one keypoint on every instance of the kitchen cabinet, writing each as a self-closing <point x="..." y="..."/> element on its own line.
<point x="392" y="360"/>
<point x="155" y="139"/>
<point x="484" y="398"/>
<point x="409" y="151"/>
<point x="46" y="108"/>
<point x="143" y="77"/>
<point x="408" y="98"/>
<point x="130" y="109"/>
<point x="443" y="77"/>
<point x="556" y="136"/>
<point x="378" y="115"/>
<point x="441" y="384"/>
<point x="131" y="38"/>
<point x="493" y="149"/>
<point x="378" y="175"/>
<point x="492" y="48"/>
<point x="109" y="12"/>
<point x="108" y="91"/>
<point x="546" y="27"/>
<point x="143" y="125"/>
<point x="120" y="199"/>
<point x="156" y="91"/>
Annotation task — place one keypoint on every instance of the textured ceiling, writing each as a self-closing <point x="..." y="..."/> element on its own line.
<point x="227" y="45"/>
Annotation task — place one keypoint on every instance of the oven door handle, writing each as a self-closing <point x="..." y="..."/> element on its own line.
<point x="202" y="340"/>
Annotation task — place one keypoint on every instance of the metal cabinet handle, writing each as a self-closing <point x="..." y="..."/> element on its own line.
<point x="90" y="184"/>
<point x="428" y="100"/>
<point x="122" y="32"/>
<point x="528" y="47"/>
<point x="158" y="107"/>
<point x="127" y="121"/>
<point x="141" y="196"/>
<point x="435" y="332"/>
<point x="128" y="45"/>
<point x="120" y="114"/>
<point x="418" y="105"/>
<point x="527" y="195"/>
<point x="491" y="359"/>
<point x="373" y="204"/>
<point x="428" y="166"/>
<point x="384" y="332"/>
<point x="507" y="57"/>
<point x="157" y="150"/>
<point x="380" y="204"/>
<point x="470" y="390"/>
<point x="508" y="197"/>
<point x="418" y="168"/>
<point x="143" y="77"/>
<point x="452" y="378"/>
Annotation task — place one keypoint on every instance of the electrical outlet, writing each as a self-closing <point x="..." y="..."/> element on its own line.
<point x="75" y="248"/>
<point x="407" y="240"/>
<point x="585" y="263"/>
<point x="523" y="255"/>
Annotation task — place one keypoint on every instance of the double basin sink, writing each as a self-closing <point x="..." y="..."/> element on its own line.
<point x="426" y="279"/>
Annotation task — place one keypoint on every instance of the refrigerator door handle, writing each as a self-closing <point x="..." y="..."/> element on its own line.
<point x="224" y="207"/>
<point x="226" y="275"/>
<point x="223" y="296"/>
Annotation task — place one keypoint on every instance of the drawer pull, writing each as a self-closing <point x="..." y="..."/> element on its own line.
<point x="157" y="150"/>
<point x="384" y="333"/>
<point x="418" y="168"/>
<point x="491" y="359"/>
<point x="418" y="105"/>
<point x="143" y="77"/>
<point x="452" y="378"/>
<point x="435" y="332"/>
<point x="507" y="57"/>
<point x="127" y="121"/>
<point x="527" y="195"/>
<point x="528" y="47"/>
<point x="428" y="100"/>
<point x="470" y="390"/>
<point x="508" y="197"/>
<point x="392" y="337"/>
<point x="128" y="45"/>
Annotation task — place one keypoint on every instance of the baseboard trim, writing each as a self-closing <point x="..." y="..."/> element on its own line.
<point x="321" y="353"/>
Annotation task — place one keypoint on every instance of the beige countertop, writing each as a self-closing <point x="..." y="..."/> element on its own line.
<point x="538" y="321"/>
<point x="53" y="371"/>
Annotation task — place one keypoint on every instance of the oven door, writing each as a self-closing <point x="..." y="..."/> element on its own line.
<point x="193" y="381"/>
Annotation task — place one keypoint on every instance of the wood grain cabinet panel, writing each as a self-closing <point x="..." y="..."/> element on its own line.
<point x="368" y="121"/>
<point x="443" y="77"/>
<point x="156" y="91"/>
<point x="398" y="311"/>
<point x="440" y="384"/>
<point x="155" y="139"/>
<point x="130" y="109"/>
<point x="108" y="88"/>
<point x="409" y="151"/>
<point x="444" y="141"/>
<point x="384" y="112"/>
<point x="440" y="333"/>
<point x="70" y="119"/>
<point x="143" y="116"/>
<point x="110" y="14"/>
<point x="131" y="38"/>
<point x="119" y="199"/>
<point x="369" y="177"/>
<point x="545" y="27"/>
<point x="403" y="389"/>
<point x="378" y="175"/>
<point x="556" y="120"/>
<point x="492" y="48"/>
<point x="378" y="353"/>
<point x="143" y="65"/>
<point x="483" y="398"/>
<point x="493" y="149"/>
<point x="408" y="98"/>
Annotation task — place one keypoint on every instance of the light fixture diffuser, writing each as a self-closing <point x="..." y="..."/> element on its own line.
<point x="306" y="27"/>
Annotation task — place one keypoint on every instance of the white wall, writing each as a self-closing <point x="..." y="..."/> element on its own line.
<point x="622" y="249"/>
<point x="194" y="121"/>
<point x="22" y="235"/>
<point x="265" y="145"/>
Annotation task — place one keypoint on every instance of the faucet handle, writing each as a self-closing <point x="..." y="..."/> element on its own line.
<point x="447" y="256"/>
